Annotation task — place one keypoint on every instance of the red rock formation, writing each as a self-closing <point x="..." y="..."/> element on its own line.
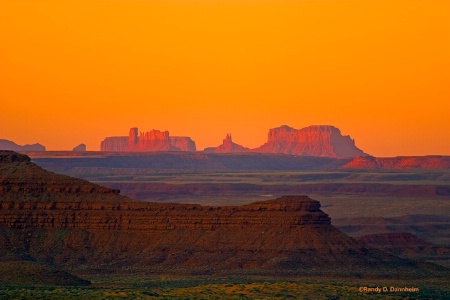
<point x="323" y="141"/>
<point x="150" y="141"/>
<point x="183" y="143"/>
<point x="410" y="162"/>
<point x="227" y="147"/>
<point x="154" y="140"/>
<point x="114" y="143"/>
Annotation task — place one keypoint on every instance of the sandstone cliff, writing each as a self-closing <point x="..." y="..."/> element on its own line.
<point x="154" y="140"/>
<point x="323" y="141"/>
<point x="114" y="143"/>
<point x="183" y="143"/>
<point x="9" y="145"/>
<point x="150" y="141"/>
<point x="72" y="223"/>
<point x="227" y="147"/>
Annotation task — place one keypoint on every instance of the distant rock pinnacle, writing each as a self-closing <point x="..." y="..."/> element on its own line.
<point x="227" y="147"/>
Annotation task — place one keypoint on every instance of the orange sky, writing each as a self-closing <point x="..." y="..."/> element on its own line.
<point x="77" y="71"/>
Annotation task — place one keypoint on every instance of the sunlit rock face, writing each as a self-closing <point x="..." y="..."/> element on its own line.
<point x="318" y="140"/>
<point x="227" y="146"/>
<point x="149" y="141"/>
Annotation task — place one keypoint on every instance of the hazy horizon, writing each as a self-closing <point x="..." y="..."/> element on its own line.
<point x="79" y="71"/>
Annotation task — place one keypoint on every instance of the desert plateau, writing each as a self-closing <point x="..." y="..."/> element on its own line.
<point x="224" y="149"/>
<point x="217" y="231"/>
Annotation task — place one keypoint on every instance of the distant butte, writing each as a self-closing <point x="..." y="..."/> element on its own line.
<point x="317" y="140"/>
<point x="150" y="141"/>
<point x="227" y="147"/>
<point x="80" y="148"/>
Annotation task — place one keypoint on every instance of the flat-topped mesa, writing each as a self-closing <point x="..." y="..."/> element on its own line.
<point x="153" y="140"/>
<point x="284" y="212"/>
<point x="228" y="146"/>
<point x="114" y="144"/>
<point x="287" y="203"/>
<point x="316" y="140"/>
<point x="149" y="141"/>
<point x="83" y="226"/>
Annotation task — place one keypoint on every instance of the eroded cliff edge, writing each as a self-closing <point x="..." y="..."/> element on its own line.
<point x="82" y="227"/>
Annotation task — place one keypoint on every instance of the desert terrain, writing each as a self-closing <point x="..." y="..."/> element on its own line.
<point x="218" y="230"/>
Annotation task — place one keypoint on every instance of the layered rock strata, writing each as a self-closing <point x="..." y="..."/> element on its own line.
<point x="80" y="226"/>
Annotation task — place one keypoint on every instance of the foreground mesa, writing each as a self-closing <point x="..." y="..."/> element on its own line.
<point x="80" y="226"/>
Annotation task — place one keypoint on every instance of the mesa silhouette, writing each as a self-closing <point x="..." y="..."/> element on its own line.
<point x="84" y="228"/>
<point x="10" y="145"/>
<point x="322" y="141"/>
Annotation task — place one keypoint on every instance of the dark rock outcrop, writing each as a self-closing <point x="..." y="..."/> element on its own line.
<point x="9" y="145"/>
<point x="28" y="273"/>
<point x="323" y="141"/>
<point x="69" y="222"/>
<point x="22" y="180"/>
<point x="407" y="245"/>
<point x="227" y="147"/>
<point x="80" y="148"/>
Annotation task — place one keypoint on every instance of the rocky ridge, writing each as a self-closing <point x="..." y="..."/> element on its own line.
<point x="400" y="162"/>
<point x="81" y="226"/>
<point x="21" y="180"/>
<point x="9" y="145"/>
